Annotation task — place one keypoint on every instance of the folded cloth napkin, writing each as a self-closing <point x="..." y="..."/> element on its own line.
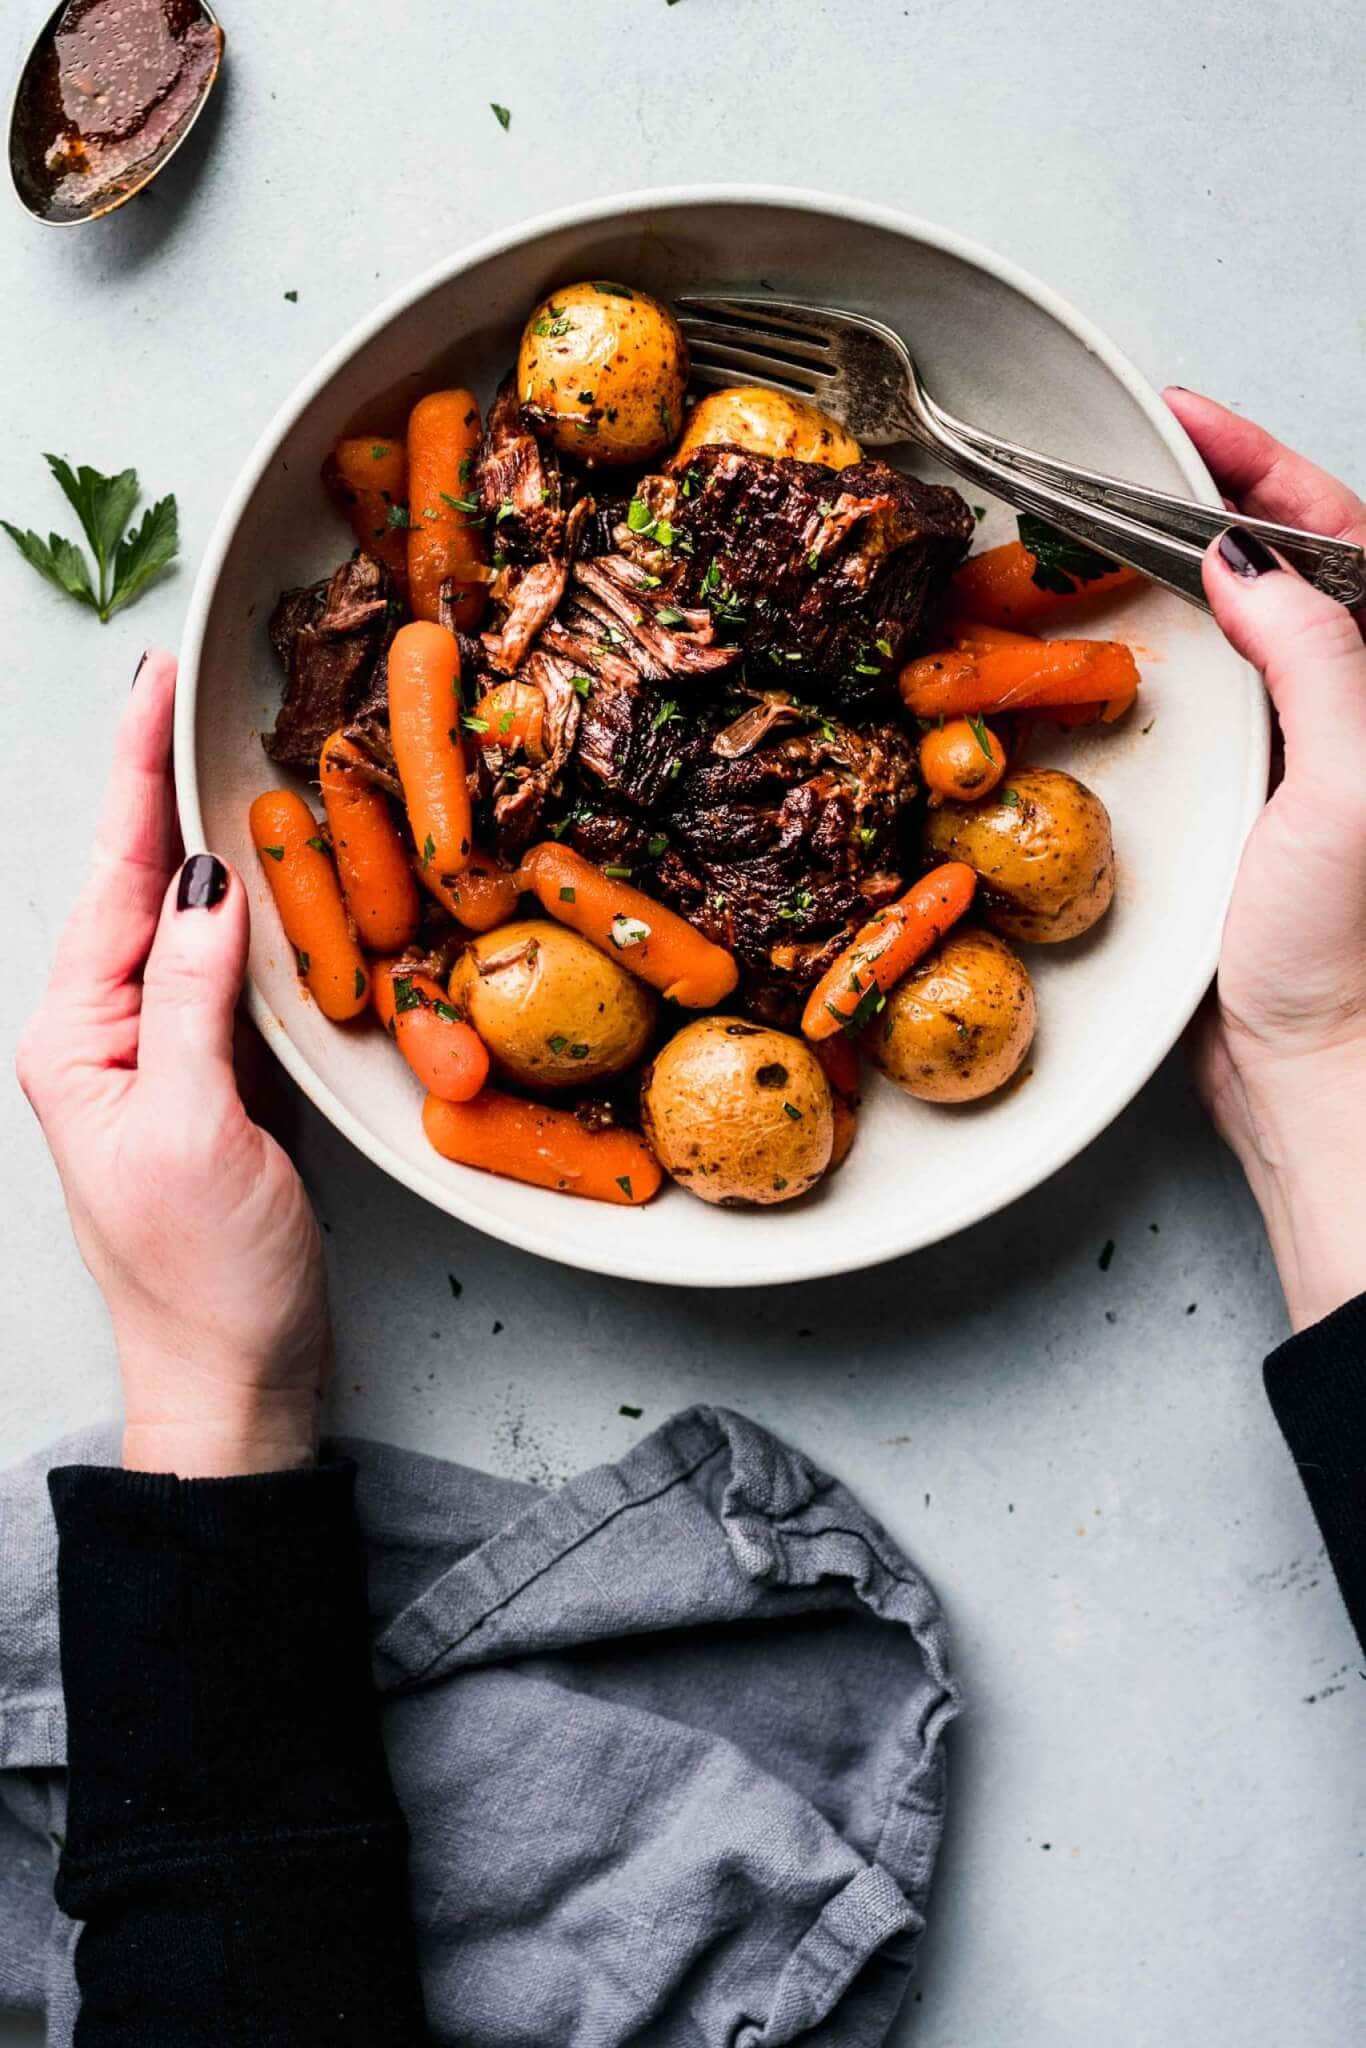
<point x="668" y="1741"/>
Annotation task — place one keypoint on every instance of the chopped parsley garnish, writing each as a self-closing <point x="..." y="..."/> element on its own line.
<point x="813" y="560"/>
<point x="293" y="298"/>
<point x="360" y="981"/>
<point x="666" y="714"/>
<point x="473" y="724"/>
<point x="867" y="668"/>
<point x="379" y="451"/>
<point x="428" y="850"/>
<point x="506" y="510"/>
<point x="301" y="959"/>
<point x="567" y="893"/>
<point x="318" y="845"/>
<point x="791" y="1109"/>
<point x="692" y="481"/>
<point x="618" y="874"/>
<point x="979" y="513"/>
<point x="127" y="557"/>
<point x="447" y="1011"/>
<point x="656" y="845"/>
<point x="978" y="728"/>
<point x="395" y="515"/>
<point x="501" y="115"/>
<point x="612" y="291"/>
<point x="558" y="1043"/>
<point x="406" y="997"/>
<point x="582" y="684"/>
<point x="554" y="325"/>
<point x="585" y="398"/>
<point x="624" y="1183"/>
<point x="275" y="852"/>
<point x="669" y="615"/>
<point x="779" y="1183"/>
<point x="505" y="723"/>
<point x="461" y="504"/>
<point x="1061" y="564"/>
<point x="639" y="517"/>
<point x="884" y="648"/>
<point x="579" y="1052"/>
<point x="1011" y="797"/>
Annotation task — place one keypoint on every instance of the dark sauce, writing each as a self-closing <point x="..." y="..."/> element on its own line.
<point x="105" y="97"/>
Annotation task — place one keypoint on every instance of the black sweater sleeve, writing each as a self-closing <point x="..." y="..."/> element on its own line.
<point x="233" y="1843"/>
<point x="1317" y="1385"/>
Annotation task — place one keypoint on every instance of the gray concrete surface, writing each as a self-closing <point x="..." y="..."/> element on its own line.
<point x="1156" y="1828"/>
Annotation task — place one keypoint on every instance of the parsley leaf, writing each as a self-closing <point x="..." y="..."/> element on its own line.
<point x="501" y="114"/>
<point x="1061" y="564"/>
<point x="126" y="558"/>
<point x="978" y="727"/>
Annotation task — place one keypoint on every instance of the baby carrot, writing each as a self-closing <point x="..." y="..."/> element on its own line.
<point x="888" y="946"/>
<point x="441" y="1048"/>
<point x="513" y="715"/>
<point x="652" y="942"/>
<point x="376" y="879"/>
<point x="1020" y="677"/>
<point x="998" y="588"/>
<point x="445" y="518"/>
<point x="366" y="477"/>
<point x="308" y="897"/>
<point x="424" y="728"/>
<point x="549" y="1148"/>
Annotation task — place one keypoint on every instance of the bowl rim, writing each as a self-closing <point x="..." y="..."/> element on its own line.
<point x="613" y="1254"/>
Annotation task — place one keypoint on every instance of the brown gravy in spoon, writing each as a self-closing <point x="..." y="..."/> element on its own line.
<point x="107" y="94"/>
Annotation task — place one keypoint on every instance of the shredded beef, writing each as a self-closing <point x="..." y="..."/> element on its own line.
<point x="333" y="640"/>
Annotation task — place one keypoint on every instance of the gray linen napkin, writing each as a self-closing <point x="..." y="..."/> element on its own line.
<point x="668" y="1741"/>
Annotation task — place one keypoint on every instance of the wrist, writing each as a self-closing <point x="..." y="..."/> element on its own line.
<point x="1301" y="1139"/>
<point x="238" y="1432"/>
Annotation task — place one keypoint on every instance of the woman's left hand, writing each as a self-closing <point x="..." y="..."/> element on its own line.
<point x="192" y="1220"/>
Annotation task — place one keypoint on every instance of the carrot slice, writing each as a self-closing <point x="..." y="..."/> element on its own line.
<point x="483" y="894"/>
<point x="888" y="946"/>
<point x="548" y="1148"/>
<point x="1018" y="678"/>
<point x="998" y="588"/>
<point x="308" y="897"/>
<point x="642" y="935"/>
<point x="838" y="1056"/>
<point x="366" y="477"/>
<point x="445" y="519"/>
<point x="424" y="727"/>
<point x="372" y="862"/>
<point x="445" y="1052"/>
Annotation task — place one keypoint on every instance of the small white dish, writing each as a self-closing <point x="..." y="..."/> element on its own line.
<point x="1183" y="779"/>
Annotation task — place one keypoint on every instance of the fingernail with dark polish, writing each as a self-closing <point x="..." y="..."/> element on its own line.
<point x="138" y="670"/>
<point x="1245" y="554"/>
<point x="203" y="882"/>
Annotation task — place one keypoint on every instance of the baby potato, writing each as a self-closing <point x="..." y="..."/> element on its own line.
<point x="553" y="1011"/>
<point x="766" y="423"/>
<point x="960" y="1023"/>
<point x="1043" y="850"/>
<point x="738" y="1113"/>
<point x="601" y="372"/>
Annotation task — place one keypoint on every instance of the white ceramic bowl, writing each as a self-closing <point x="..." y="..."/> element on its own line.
<point x="1183" y="779"/>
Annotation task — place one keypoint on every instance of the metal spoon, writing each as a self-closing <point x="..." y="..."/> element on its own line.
<point x="110" y="90"/>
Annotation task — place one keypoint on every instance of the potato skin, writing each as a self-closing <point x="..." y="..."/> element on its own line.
<point x="601" y="372"/>
<point x="767" y="423"/>
<point x="738" y="1113"/>
<point x="1042" y="849"/>
<point x="538" y="994"/>
<point x="958" y="1026"/>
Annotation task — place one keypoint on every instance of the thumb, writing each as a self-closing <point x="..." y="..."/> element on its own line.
<point x="194" y="974"/>
<point x="1306" y="645"/>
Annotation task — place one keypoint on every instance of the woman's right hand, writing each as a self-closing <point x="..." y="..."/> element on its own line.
<point x="1280" y="1055"/>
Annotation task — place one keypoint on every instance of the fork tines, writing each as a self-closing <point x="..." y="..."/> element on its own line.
<point x="759" y="338"/>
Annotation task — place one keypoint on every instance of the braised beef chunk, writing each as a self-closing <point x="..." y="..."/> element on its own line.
<point x="333" y="639"/>
<point x="517" y="481"/>
<point x="824" y="573"/>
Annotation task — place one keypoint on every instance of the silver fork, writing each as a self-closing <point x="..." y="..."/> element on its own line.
<point x="863" y="375"/>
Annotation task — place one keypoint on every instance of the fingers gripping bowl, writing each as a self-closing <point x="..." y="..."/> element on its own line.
<point x="1110" y="1010"/>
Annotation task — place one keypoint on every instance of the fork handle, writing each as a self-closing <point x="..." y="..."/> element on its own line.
<point x="1337" y="567"/>
<point x="1164" y="558"/>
